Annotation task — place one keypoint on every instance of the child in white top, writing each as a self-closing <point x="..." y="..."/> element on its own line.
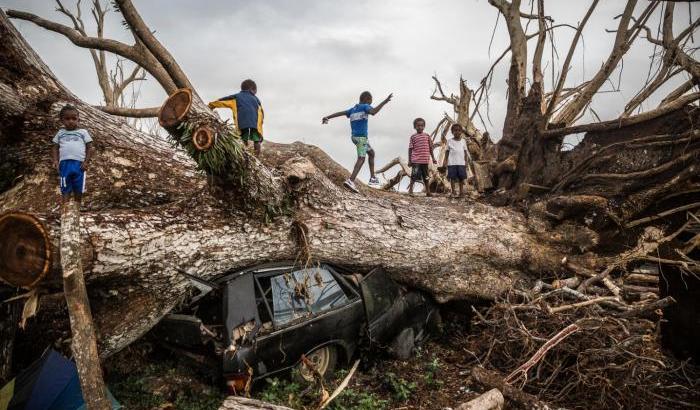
<point x="456" y="159"/>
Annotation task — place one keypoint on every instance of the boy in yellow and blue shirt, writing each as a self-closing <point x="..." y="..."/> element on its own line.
<point x="247" y="111"/>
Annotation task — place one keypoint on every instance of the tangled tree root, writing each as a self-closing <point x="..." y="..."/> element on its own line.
<point x="612" y="360"/>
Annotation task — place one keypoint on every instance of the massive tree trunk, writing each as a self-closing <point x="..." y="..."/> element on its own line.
<point x="151" y="210"/>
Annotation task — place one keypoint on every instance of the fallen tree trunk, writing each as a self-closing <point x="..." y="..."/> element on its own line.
<point x="138" y="231"/>
<point x="83" y="341"/>
<point x="150" y="210"/>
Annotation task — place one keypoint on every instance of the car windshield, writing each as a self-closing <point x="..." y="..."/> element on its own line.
<point x="304" y="292"/>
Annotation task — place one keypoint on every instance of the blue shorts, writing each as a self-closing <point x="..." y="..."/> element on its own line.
<point x="72" y="176"/>
<point x="456" y="172"/>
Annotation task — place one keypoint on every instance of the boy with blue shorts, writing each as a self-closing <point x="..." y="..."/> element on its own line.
<point x="358" y="126"/>
<point x="70" y="154"/>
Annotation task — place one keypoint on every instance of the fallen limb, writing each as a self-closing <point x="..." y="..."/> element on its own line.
<point x="589" y="302"/>
<point x="341" y="386"/>
<point x="491" y="400"/>
<point x="643" y="310"/>
<point x="539" y="354"/>
<point x="242" y="403"/>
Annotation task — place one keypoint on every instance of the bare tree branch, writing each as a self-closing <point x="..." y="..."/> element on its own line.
<point x="623" y="40"/>
<point x="136" y="53"/>
<point x="623" y="122"/>
<point x="672" y="45"/>
<point x="537" y="76"/>
<point x="567" y="62"/>
<point x="661" y="78"/>
<point x="679" y="91"/>
<point x="130" y="112"/>
<point x="141" y="30"/>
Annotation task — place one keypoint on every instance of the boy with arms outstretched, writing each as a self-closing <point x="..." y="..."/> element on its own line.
<point x="247" y="112"/>
<point x="70" y="154"/>
<point x="420" y="152"/>
<point x="358" y="126"/>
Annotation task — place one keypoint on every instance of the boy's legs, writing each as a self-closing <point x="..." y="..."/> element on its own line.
<point x="361" y="147"/>
<point x="462" y="178"/>
<point x="356" y="169"/>
<point x="72" y="181"/>
<point x="452" y="186"/>
<point x="370" y="158"/>
<point x="256" y="148"/>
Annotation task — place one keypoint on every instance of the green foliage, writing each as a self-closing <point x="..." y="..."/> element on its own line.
<point x="288" y="393"/>
<point x="283" y="392"/>
<point x="400" y="388"/>
<point x="142" y="389"/>
<point x="351" y="399"/>
<point x="225" y="155"/>
<point x="431" y="374"/>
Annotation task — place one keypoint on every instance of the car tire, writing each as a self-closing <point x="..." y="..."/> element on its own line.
<point x="324" y="359"/>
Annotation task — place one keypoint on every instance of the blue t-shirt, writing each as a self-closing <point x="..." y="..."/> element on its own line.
<point x="358" y="119"/>
<point x="71" y="144"/>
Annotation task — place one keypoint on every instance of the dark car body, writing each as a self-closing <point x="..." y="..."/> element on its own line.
<point x="272" y="315"/>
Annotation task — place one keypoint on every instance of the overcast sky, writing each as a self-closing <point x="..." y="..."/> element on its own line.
<point x="311" y="58"/>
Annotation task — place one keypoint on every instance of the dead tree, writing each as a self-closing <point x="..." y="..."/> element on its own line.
<point x="154" y="208"/>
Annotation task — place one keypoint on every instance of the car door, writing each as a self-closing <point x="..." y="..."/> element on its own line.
<point x="384" y="306"/>
<point x="309" y="309"/>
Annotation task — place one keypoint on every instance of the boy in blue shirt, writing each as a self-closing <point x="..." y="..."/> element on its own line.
<point x="247" y="113"/>
<point x="358" y="126"/>
<point x="70" y="154"/>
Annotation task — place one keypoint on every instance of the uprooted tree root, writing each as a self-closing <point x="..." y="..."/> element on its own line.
<point x="608" y="361"/>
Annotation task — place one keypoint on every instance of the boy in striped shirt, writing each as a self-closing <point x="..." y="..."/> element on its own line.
<point x="420" y="152"/>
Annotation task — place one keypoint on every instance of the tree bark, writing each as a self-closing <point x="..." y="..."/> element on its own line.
<point x="149" y="212"/>
<point x="152" y="208"/>
<point x="83" y="341"/>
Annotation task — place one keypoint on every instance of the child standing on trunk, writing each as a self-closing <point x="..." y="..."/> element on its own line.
<point x="71" y="153"/>
<point x="420" y="152"/>
<point x="247" y="112"/>
<point x="358" y="126"/>
<point x="456" y="159"/>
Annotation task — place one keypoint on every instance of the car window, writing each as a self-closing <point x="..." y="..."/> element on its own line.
<point x="304" y="292"/>
<point x="379" y="293"/>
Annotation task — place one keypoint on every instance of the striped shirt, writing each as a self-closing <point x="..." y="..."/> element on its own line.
<point x="420" y="148"/>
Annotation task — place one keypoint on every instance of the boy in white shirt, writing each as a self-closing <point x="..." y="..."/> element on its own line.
<point x="456" y="159"/>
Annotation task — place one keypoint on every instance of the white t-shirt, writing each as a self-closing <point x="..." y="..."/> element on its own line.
<point x="71" y="144"/>
<point x="456" y="154"/>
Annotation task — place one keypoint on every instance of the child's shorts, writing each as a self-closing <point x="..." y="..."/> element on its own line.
<point x="72" y="176"/>
<point x="361" y="145"/>
<point x="251" y="134"/>
<point x="456" y="172"/>
<point x="420" y="172"/>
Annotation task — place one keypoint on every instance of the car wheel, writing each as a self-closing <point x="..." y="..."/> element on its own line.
<point x="323" y="361"/>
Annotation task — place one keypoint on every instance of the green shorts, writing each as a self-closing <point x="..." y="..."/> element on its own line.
<point x="251" y="134"/>
<point x="361" y="145"/>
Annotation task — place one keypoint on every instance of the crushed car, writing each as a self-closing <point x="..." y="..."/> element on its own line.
<point x="277" y="317"/>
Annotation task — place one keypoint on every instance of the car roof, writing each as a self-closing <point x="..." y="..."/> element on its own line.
<point x="265" y="267"/>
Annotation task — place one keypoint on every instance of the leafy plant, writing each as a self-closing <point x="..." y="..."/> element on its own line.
<point x="431" y="374"/>
<point x="283" y="392"/>
<point x="400" y="388"/>
<point x="351" y="399"/>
